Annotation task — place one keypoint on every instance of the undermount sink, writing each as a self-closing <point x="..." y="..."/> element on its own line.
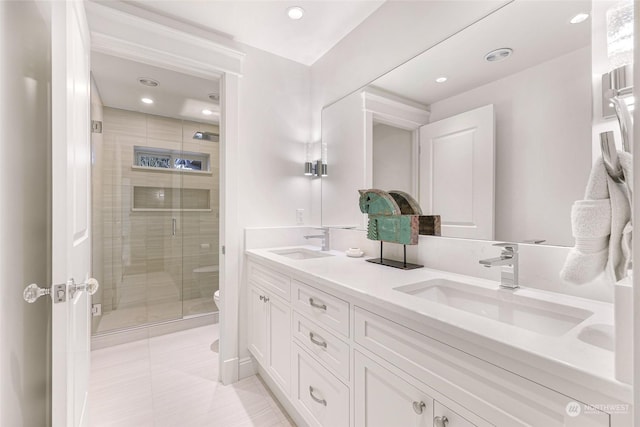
<point x="300" y="253"/>
<point x="599" y="335"/>
<point x="503" y="306"/>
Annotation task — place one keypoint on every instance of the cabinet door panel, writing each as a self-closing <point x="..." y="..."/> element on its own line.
<point x="257" y="324"/>
<point x="280" y="343"/>
<point x="382" y="399"/>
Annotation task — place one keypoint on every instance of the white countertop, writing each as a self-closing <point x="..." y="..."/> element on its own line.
<point x="562" y="359"/>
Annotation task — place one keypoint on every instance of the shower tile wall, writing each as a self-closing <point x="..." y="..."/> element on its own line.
<point x="150" y="275"/>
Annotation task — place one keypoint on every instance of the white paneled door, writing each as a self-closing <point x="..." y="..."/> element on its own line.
<point x="457" y="157"/>
<point x="71" y="214"/>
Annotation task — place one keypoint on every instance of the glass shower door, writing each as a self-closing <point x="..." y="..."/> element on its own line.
<point x="156" y="218"/>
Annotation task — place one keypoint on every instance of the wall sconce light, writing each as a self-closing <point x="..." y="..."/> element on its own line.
<point x="315" y="169"/>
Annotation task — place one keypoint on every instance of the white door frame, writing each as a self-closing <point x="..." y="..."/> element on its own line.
<point x="380" y="107"/>
<point x="115" y="32"/>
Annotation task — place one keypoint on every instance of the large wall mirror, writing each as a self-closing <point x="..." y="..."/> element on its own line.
<point x="418" y="127"/>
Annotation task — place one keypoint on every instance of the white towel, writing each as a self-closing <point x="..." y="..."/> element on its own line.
<point x="601" y="226"/>
<point x="621" y="225"/>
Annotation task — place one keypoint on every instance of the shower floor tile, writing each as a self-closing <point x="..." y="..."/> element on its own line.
<point x="171" y="381"/>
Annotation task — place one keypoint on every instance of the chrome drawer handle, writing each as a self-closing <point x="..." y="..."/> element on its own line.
<point x="320" y="306"/>
<point x="317" y="342"/>
<point x="320" y="401"/>
<point x="418" y="407"/>
<point x="440" y="421"/>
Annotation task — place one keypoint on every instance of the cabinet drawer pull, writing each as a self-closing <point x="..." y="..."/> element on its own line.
<point x="418" y="407"/>
<point x="266" y="299"/>
<point x="316" y="341"/>
<point x="440" y="421"/>
<point x="316" y="305"/>
<point x="261" y="297"/>
<point x="320" y="401"/>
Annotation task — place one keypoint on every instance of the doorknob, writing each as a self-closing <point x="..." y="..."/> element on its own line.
<point x="59" y="294"/>
<point x="91" y="286"/>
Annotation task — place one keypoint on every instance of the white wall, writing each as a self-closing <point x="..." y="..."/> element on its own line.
<point x="392" y="158"/>
<point x="25" y="139"/>
<point x="344" y="134"/>
<point x="274" y="128"/>
<point x="543" y="132"/>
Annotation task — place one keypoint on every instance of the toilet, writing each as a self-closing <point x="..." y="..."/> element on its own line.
<point x="216" y="299"/>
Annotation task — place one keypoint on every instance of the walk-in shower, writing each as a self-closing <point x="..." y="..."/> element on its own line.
<point x="155" y="197"/>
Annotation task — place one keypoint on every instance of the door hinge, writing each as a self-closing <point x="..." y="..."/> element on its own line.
<point x="223" y="249"/>
<point x="96" y="126"/>
<point x="96" y="309"/>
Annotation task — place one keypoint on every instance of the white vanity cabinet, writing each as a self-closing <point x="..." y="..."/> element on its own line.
<point x="342" y="364"/>
<point x="269" y="323"/>
<point x="461" y="381"/>
<point x="383" y="399"/>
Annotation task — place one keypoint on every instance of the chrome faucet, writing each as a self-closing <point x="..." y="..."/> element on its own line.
<point x="326" y="244"/>
<point x="508" y="260"/>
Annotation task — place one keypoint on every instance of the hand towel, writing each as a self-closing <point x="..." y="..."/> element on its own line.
<point x="601" y="226"/>
<point x="621" y="226"/>
<point x="591" y="224"/>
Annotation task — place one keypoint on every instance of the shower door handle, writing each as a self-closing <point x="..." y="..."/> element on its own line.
<point x="173" y="226"/>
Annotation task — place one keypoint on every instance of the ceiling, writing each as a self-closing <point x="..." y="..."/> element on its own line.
<point x="537" y="31"/>
<point x="265" y="25"/>
<point x="178" y="95"/>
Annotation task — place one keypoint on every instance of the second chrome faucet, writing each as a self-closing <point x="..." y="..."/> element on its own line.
<point x="508" y="260"/>
<point x="326" y="243"/>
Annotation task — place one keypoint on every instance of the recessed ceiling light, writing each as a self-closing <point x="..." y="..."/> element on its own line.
<point x="147" y="100"/>
<point x="498" y="54"/>
<point x="295" y="12"/>
<point x="146" y="81"/>
<point x="207" y="112"/>
<point x="441" y="79"/>
<point x="581" y="17"/>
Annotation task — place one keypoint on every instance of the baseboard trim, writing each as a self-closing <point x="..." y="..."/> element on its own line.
<point x="229" y="371"/>
<point x="110" y="339"/>
<point x="247" y="367"/>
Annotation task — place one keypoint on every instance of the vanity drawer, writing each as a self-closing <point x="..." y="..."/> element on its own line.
<point x="321" y="398"/>
<point x="321" y="307"/>
<point x="326" y="346"/>
<point x="271" y="280"/>
<point x="495" y="394"/>
<point x="452" y="418"/>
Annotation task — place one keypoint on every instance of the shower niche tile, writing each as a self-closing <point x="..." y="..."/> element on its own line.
<point x="171" y="199"/>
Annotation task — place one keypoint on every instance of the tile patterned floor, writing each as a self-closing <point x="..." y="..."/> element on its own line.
<point x="171" y="381"/>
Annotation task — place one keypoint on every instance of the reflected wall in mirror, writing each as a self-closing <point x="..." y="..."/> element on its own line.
<point x="541" y="97"/>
